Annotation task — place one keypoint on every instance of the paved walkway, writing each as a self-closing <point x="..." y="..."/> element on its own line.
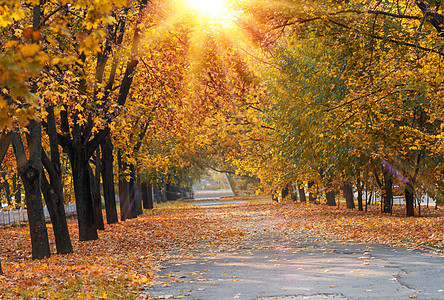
<point x="273" y="265"/>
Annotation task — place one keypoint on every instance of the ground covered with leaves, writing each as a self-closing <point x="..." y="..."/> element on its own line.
<point x="127" y="255"/>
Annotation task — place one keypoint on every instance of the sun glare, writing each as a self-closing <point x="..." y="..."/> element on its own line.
<point x="211" y="8"/>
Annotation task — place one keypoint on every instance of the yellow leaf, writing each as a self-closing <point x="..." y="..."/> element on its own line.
<point x="78" y="107"/>
<point x="104" y="295"/>
<point x="29" y="50"/>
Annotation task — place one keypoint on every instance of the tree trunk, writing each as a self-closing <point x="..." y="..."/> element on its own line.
<point x="108" y="180"/>
<point x="58" y="218"/>
<point x="6" y="186"/>
<point x="388" y="192"/>
<point x="409" y="193"/>
<point x="294" y="193"/>
<point x="132" y="192"/>
<point x="138" y="198"/>
<point x="5" y="140"/>
<point x="330" y="194"/>
<point x="147" y="196"/>
<point x="302" y="193"/>
<point x="56" y="208"/>
<point x="311" y="194"/>
<point x="84" y="201"/>
<point x="18" y="189"/>
<point x="31" y="174"/>
<point x="274" y="196"/>
<point x="347" y="190"/>
<point x="232" y="184"/>
<point x="284" y="192"/>
<point x="359" y="187"/>
<point x="1" y="271"/>
<point x="53" y="190"/>
<point x="124" y="190"/>
<point x="96" y="201"/>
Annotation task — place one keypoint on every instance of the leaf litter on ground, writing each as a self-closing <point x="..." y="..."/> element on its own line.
<point x="127" y="256"/>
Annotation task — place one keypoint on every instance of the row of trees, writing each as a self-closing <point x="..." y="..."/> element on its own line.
<point x="357" y="98"/>
<point x="116" y="88"/>
<point x="328" y="94"/>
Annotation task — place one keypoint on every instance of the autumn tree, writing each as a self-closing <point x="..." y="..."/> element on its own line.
<point x="364" y="100"/>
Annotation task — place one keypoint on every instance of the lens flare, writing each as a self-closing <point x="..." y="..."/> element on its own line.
<point x="211" y="8"/>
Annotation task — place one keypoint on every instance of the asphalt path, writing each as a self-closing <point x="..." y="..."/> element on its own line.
<point x="211" y="194"/>
<point x="274" y="265"/>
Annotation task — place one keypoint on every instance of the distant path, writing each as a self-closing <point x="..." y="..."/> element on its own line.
<point x="269" y="264"/>
<point x="212" y="194"/>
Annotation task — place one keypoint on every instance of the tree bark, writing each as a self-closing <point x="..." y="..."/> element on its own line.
<point x="274" y="196"/>
<point x="18" y="189"/>
<point x="96" y="201"/>
<point x="409" y="193"/>
<point x="6" y="187"/>
<point x="53" y="190"/>
<point x="132" y="192"/>
<point x="147" y="196"/>
<point x="294" y="193"/>
<point x="138" y="199"/>
<point x="124" y="190"/>
<point x="284" y="192"/>
<point x="30" y="171"/>
<point x="109" y="193"/>
<point x="388" y="192"/>
<point x="359" y="186"/>
<point x="79" y="150"/>
<point x="301" y="193"/>
<point x="330" y="193"/>
<point x="311" y="195"/>
<point x="347" y="190"/>
<point x="56" y="208"/>
<point x="5" y="140"/>
<point x="84" y="201"/>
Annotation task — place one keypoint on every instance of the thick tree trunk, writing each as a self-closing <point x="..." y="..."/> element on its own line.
<point x="147" y="196"/>
<point x="330" y="194"/>
<point x="284" y="192"/>
<point x="347" y="190"/>
<point x="96" y="200"/>
<point x="58" y="218"/>
<point x="124" y="190"/>
<point x="138" y="198"/>
<point x="388" y="192"/>
<point x="31" y="174"/>
<point x="311" y="194"/>
<point x="301" y="191"/>
<point x="409" y="193"/>
<point x="53" y="190"/>
<point x="56" y="209"/>
<point x="294" y="193"/>
<point x="108" y="180"/>
<point x="84" y="201"/>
